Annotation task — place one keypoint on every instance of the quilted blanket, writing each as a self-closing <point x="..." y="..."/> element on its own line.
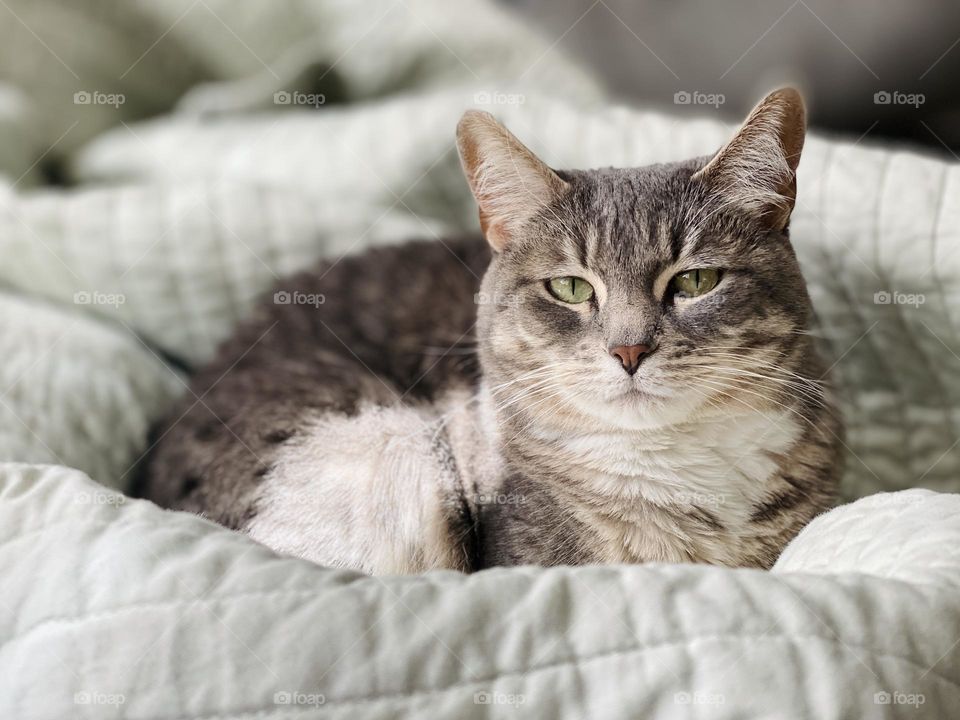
<point x="114" y="608"/>
<point x="244" y="140"/>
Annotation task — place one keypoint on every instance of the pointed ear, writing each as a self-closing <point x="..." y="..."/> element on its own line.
<point x="509" y="182"/>
<point x="756" y="170"/>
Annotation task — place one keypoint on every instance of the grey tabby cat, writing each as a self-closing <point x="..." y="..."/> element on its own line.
<point x="633" y="379"/>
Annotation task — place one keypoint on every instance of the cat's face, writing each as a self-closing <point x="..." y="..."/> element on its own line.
<point x="643" y="297"/>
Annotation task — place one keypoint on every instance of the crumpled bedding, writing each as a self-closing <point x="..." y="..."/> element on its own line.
<point x="142" y="613"/>
<point x="185" y="202"/>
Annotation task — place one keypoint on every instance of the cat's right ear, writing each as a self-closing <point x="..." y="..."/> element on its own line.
<point x="509" y="182"/>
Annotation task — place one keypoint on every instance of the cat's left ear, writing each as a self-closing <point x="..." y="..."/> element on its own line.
<point x="509" y="182"/>
<point x="757" y="169"/>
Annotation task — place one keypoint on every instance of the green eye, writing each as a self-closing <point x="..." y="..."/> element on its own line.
<point x="571" y="290"/>
<point x="695" y="282"/>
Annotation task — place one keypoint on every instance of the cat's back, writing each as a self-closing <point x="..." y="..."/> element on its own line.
<point x="391" y="325"/>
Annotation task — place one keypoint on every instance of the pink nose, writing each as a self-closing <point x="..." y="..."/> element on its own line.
<point x="630" y="356"/>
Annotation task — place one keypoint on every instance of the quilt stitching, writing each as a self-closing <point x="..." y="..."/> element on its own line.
<point x="266" y="712"/>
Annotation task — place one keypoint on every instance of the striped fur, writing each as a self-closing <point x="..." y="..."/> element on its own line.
<point x="422" y="417"/>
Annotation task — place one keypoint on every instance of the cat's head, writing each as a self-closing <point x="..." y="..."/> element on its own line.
<point x="641" y="297"/>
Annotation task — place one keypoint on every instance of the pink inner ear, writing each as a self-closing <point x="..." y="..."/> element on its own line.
<point x="757" y="168"/>
<point x="496" y="233"/>
<point x="509" y="182"/>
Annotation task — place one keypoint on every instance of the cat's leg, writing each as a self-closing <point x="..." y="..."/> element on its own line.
<point x="376" y="491"/>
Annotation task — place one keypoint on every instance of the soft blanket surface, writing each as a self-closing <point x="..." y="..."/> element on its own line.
<point x="143" y="613"/>
<point x="253" y="139"/>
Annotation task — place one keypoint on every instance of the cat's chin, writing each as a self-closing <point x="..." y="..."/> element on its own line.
<point x="640" y="399"/>
<point x="639" y="408"/>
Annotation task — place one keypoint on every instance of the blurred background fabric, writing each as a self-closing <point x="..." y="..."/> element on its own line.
<point x="164" y="163"/>
<point x="854" y="60"/>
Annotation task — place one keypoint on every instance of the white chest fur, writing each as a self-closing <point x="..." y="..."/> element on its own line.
<point x="644" y="483"/>
<point x="705" y="456"/>
<point x="373" y="491"/>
